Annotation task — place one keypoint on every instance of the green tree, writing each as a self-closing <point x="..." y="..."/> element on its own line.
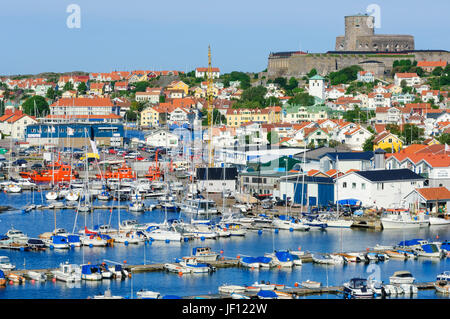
<point x="438" y="71"/>
<point x="412" y="133"/>
<point x="311" y="73"/>
<point x="368" y="144"/>
<point x="141" y="86"/>
<point x="68" y="86"/>
<point x="346" y="75"/>
<point x="36" y="106"/>
<point x="82" y="88"/>
<point x="444" y="138"/>
<point x="51" y="94"/>
<point x="303" y="99"/>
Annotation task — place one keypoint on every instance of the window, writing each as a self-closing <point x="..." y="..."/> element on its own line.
<point x="363" y="186"/>
<point x="353" y="185"/>
<point x="380" y="186"/>
<point x="344" y="185"/>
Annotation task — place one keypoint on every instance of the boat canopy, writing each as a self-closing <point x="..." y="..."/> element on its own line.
<point x="350" y="202"/>
<point x="2" y="274"/>
<point x="267" y="294"/>
<point x="283" y="256"/>
<point x="90" y="269"/>
<point x="171" y="297"/>
<point x="3" y="237"/>
<point x="263" y="259"/>
<point x="73" y="238"/>
<point x="59" y="239"/>
<point x="250" y="260"/>
<point x="411" y="242"/>
<point x="430" y="248"/>
<point x="35" y="241"/>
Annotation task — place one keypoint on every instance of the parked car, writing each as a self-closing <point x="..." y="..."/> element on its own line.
<point x="36" y="166"/>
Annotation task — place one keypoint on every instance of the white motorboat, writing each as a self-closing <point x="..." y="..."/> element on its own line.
<point x="107" y="295"/>
<point x="84" y="208"/>
<point x="52" y="195"/>
<point x="91" y="272"/>
<point x="5" y="264"/>
<point x="409" y="289"/>
<point x="147" y="294"/>
<point x="401" y="277"/>
<point x="429" y="250"/>
<point x="281" y="259"/>
<point x="238" y="296"/>
<point x="357" y="288"/>
<point x="290" y="224"/>
<point x="12" y="188"/>
<point x="136" y="206"/>
<point x="195" y="267"/>
<point x="338" y="223"/>
<point x="328" y="259"/>
<point x="198" y="206"/>
<point x="442" y="286"/>
<point x="129" y="237"/>
<point x="261" y="286"/>
<point x="234" y="229"/>
<point x="93" y="240"/>
<point x="230" y="289"/>
<point x="311" y="284"/>
<point x="439" y="221"/>
<point x="444" y="276"/>
<point x="393" y="290"/>
<point x="37" y="276"/>
<point x="17" y="236"/>
<point x="165" y="235"/>
<point x="67" y="272"/>
<point x="402" y="219"/>
<point x="249" y="262"/>
<point x="177" y="268"/>
<point x="204" y="254"/>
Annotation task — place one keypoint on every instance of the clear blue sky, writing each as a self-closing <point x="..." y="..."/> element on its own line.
<point x="148" y="34"/>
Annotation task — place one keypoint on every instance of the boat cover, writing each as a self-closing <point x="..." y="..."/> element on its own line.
<point x="250" y="260"/>
<point x="90" y="269"/>
<point x="263" y="259"/>
<point x="59" y="240"/>
<point x="171" y="297"/>
<point x="429" y="248"/>
<point x="283" y="256"/>
<point x="350" y="201"/>
<point x="411" y="242"/>
<point x="267" y="294"/>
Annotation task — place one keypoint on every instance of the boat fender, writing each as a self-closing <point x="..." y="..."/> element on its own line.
<point x="90" y="245"/>
<point x="126" y="242"/>
<point x="202" y="238"/>
<point x="291" y="229"/>
<point x="167" y="241"/>
<point x="260" y="232"/>
<point x="276" y="230"/>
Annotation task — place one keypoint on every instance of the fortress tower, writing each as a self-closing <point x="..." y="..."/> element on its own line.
<point x="360" y="36"/>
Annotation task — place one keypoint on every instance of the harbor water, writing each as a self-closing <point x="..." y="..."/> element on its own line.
<point x="253" y="244"/>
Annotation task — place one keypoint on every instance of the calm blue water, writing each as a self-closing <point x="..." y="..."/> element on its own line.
<point x="254" y="244"/>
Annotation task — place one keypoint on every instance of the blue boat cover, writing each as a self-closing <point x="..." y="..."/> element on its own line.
<point x="73" y="238"/>
<point x="250" y="260"/>
<point x="3" y="237"/>
<point x="445" y="245"/>
<point x="350" y="201"/>
<point x="2" y="274"/>
<point x="429" y="248"/>
<point x="89" y="269"/>
<point x="267" y="294"/>
<point x="263" y="259"/>
<point x="59" y="240"/>
<point x="283" y="256"/>
<point x="170" y="297"/>
<point x="118" y="268"/>
<point x="411" y="242"/>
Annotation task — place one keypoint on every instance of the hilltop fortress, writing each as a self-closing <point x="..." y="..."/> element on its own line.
<point x="359" y="46"/>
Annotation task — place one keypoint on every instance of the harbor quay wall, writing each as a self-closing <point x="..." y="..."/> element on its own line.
<point x="298" y="65"/>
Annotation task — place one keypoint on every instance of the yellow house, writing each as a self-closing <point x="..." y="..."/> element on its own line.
<point x="268" y="115"/>
<point x="198" y="92"/>
<point x="387" y="140"/>
<point x="179" y="85"/>
<point x="149" y="117"/>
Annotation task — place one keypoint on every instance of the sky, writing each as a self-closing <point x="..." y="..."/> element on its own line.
<point x="174" y="35"/>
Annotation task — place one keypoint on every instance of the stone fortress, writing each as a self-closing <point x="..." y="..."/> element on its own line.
<point x="359" y="46"/>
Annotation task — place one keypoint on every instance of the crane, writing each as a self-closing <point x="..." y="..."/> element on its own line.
<point x="209" y="107"/>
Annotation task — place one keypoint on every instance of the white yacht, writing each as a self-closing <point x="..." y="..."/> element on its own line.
<point x="5" y="264"/>
<point x="17" y="236"/>
<point x="68" y="272"/>
<point x="401" y="277"/>
<point x="198" y="206"/>
<point x="402" y="218"/>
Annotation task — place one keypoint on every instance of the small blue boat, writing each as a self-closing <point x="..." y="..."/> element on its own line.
<point x="267" y="294"/>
